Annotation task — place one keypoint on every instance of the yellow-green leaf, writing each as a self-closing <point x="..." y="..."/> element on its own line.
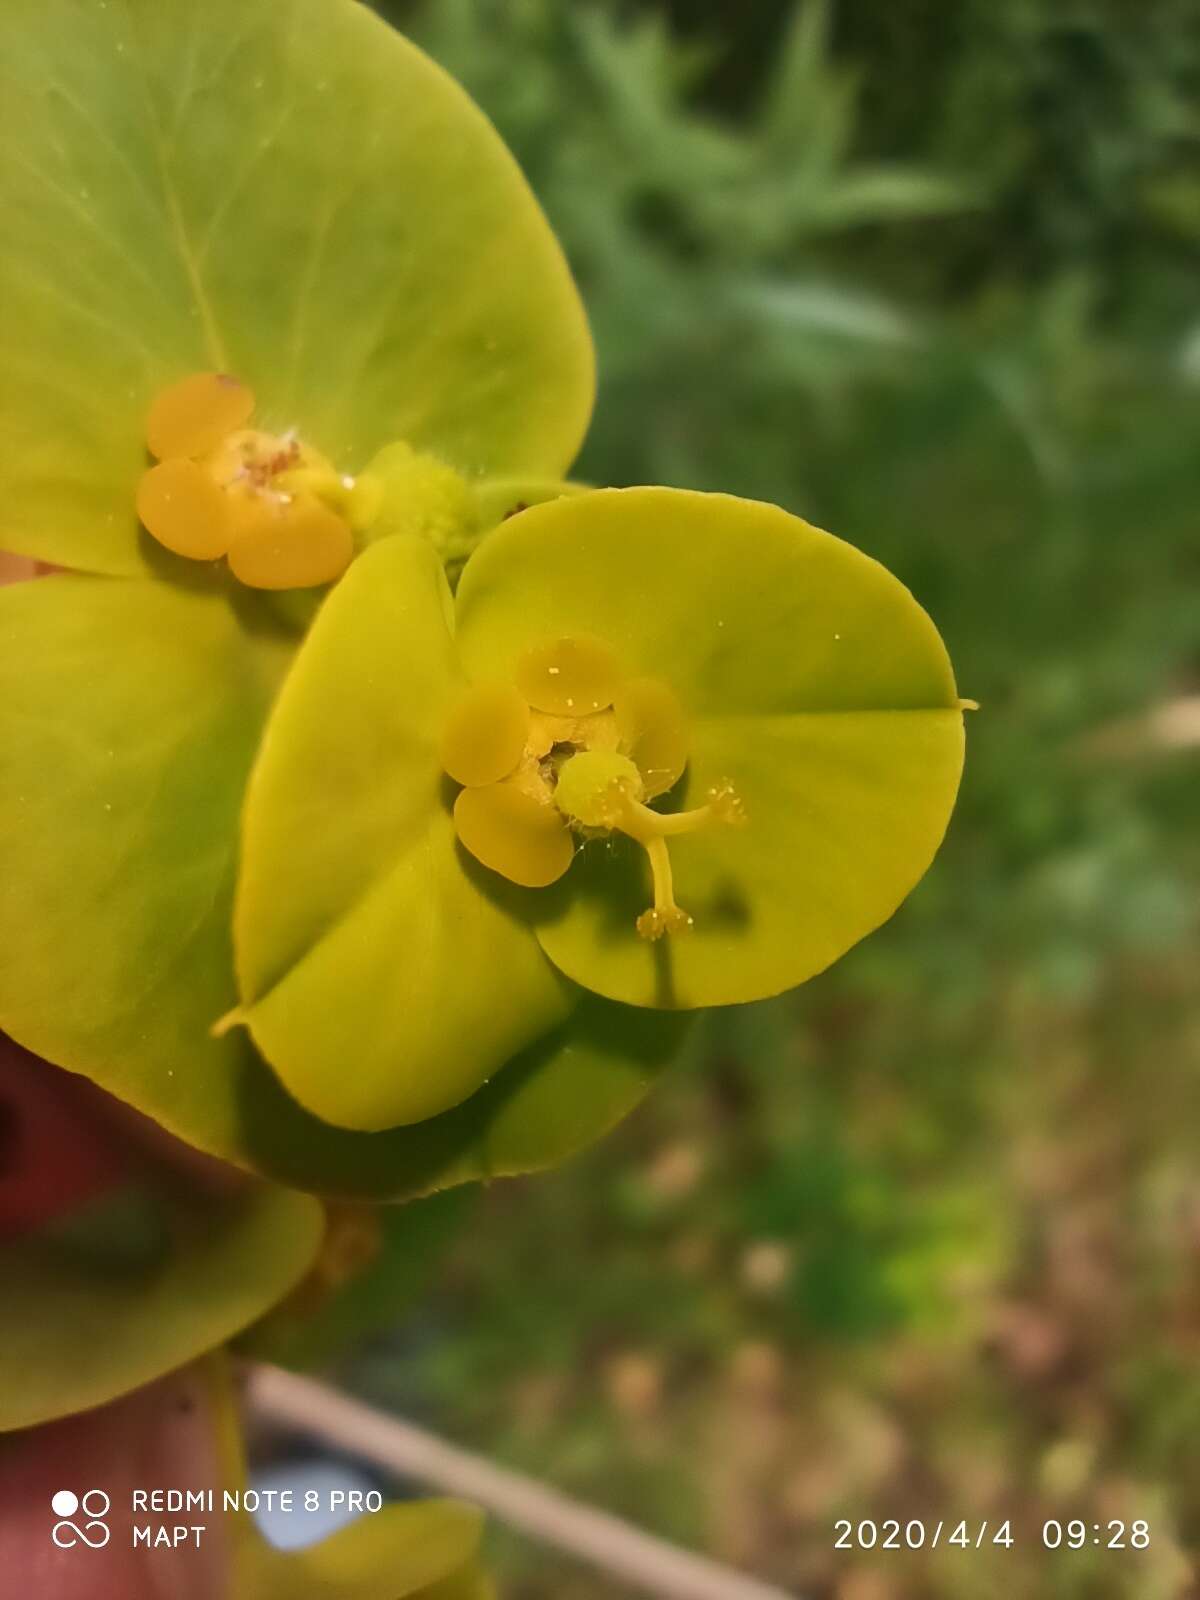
<point x="77" y="1330"/>
<point x="404" y="1552"/>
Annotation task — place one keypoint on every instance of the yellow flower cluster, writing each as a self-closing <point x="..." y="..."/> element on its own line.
<point x="269" y="503"/>
<point x="573" y="749"/>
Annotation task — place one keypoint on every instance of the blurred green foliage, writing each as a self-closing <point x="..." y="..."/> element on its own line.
<point x="920" y="1239"/>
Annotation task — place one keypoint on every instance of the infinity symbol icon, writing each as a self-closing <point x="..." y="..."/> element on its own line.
<point x="95" y="1533"/>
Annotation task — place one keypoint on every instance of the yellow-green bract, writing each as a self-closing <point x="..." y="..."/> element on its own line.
<point x="810" y="678"/>
<point x="288" y="192"/>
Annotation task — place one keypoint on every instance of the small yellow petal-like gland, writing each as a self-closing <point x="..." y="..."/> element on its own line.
<point x="193" y="416"/>
<point x="486" y="735"/>
<point x="521" y="838"/>
<point x="296" y="545"/>
<point x="569" y="677"/>
<point x="653" y="732"/>
<point x="180" y="504"/>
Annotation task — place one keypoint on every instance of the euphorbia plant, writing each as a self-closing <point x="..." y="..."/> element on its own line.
<point x="487" y="772"/>
<point x="187" y="195"/>
<point x="377" y="804"/>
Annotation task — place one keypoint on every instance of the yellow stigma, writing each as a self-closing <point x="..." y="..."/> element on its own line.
<point x="664" y="916"/>
<point x="574" y="748"/>
<point x="269" y="503"/>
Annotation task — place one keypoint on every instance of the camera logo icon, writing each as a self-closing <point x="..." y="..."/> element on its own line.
<point x="95" y="1532"/>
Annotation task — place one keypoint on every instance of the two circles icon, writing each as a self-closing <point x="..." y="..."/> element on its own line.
<point x="93" y="1531"/>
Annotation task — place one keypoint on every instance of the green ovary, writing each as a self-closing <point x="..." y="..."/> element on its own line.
<point x="573" y="749"/>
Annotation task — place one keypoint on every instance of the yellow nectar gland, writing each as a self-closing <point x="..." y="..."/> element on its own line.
<point x="574" y="749"/>
<point x="270" y="504"/>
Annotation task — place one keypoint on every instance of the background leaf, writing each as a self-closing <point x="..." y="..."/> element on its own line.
<point x="409" y="1243"/>
<point x="78" y="1329"/>
<point x="404" y="1552"/>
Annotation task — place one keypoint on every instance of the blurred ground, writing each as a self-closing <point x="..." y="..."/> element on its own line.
<point x="923" y="1239"/>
